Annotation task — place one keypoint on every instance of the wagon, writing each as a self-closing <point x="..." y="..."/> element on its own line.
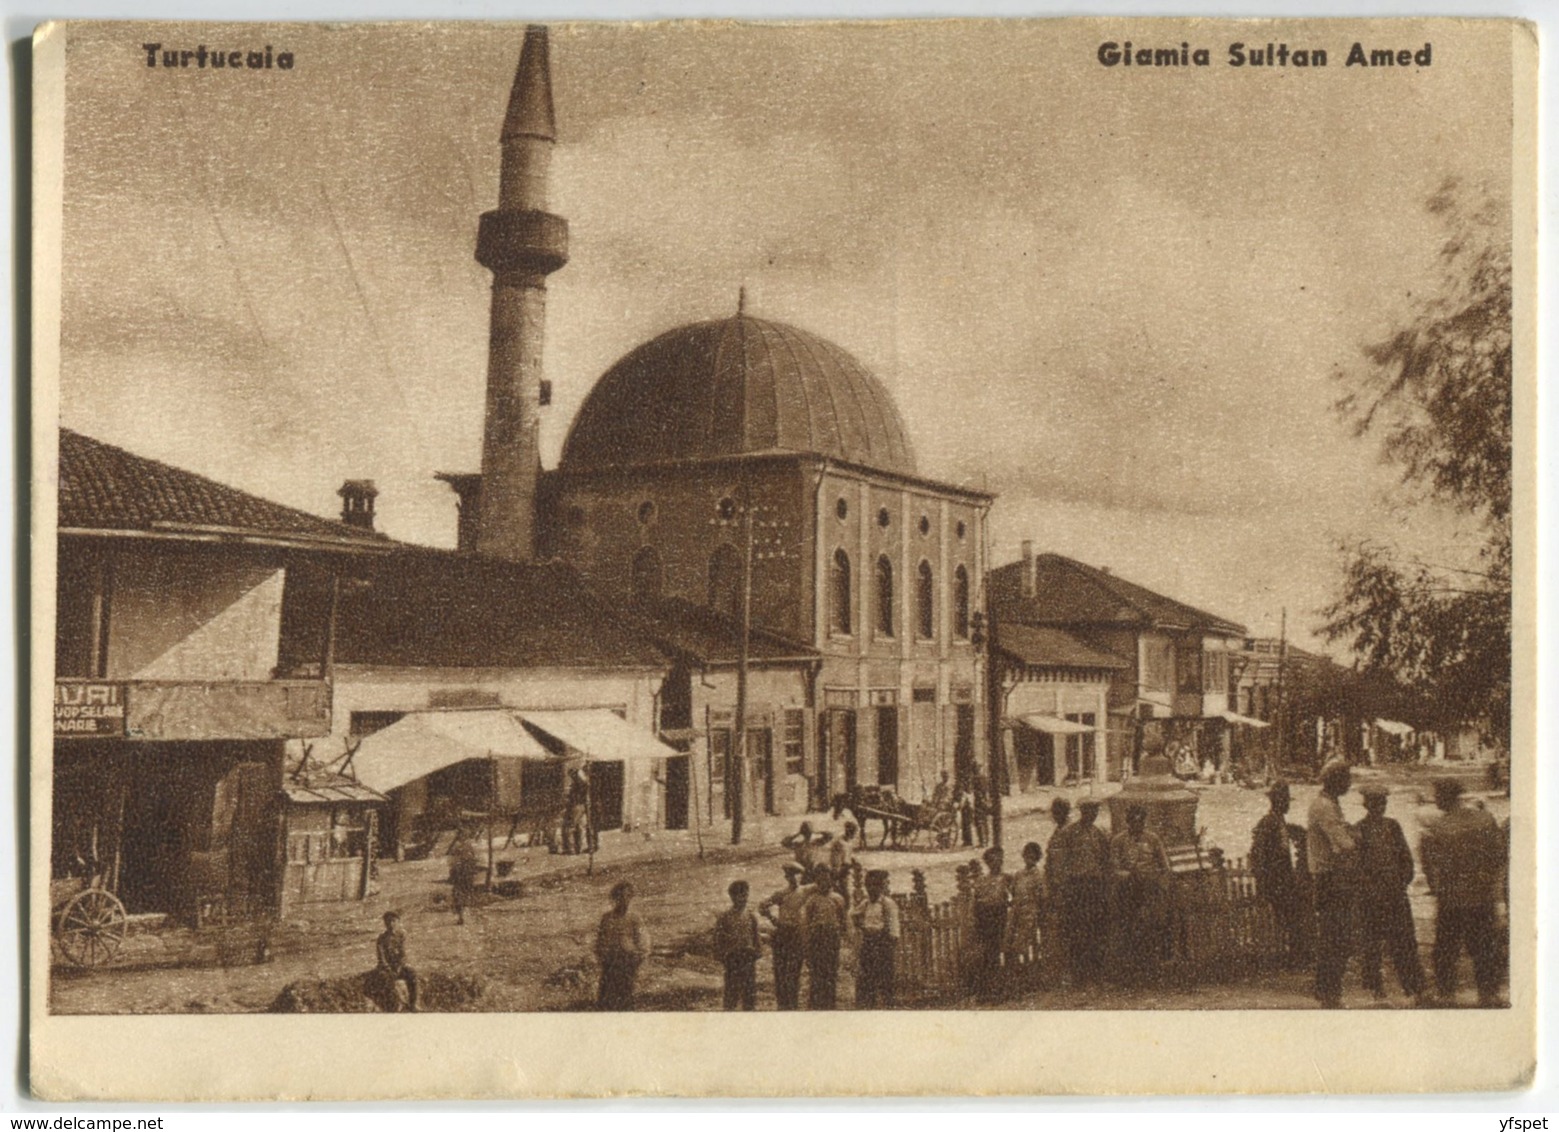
<point x="89" y="922"/>
<point x="904" y="823"/>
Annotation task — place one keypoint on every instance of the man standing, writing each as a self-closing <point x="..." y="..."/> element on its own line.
<point x="1331" y="849"/>
<point x="1386" y="919"/>
<point x="1081" y="865"/>
<point x="1272" y="864"/>
<point x="840" y="857"/>
<point x="804" y="844"/>
<point x="577" y="834"/>
<point x="992" y="894"/>
<point x="1142" y="896"/>
<point x="878" y="922"/>
<point x="463" y="870"/>
<point x="1463" y="853"/>
<point x="1052" y="951"/>
<point x="824" y="924"/>
<point x="980" y="788"/>
<point x="737" y="947"/>
<point x="785" y="911"/>
<point x="621" y="943"/>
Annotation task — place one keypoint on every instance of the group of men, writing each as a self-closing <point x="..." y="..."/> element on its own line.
<point x="970" y="803"/>
<point x="1109" y="895"/>
<point x="808" y="924"/>
<point x="1332" y="885"/>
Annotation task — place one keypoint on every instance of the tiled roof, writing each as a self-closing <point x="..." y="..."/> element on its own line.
<point x="708" y="637"/>
<point x="107" y="488"/>
<point x="428" y="608"/>
<point x="1068" y="592"/>
<point x="1044" y="646"/>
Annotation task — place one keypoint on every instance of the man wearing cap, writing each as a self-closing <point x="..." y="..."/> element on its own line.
<point x="1272" y="864"/>
<point x="1463" y="852"/>
<point x="1332" y="852"/>
<point x="1385" y="917"/>
<point x="785" y="910"/>
<point x="1081" y="866"/>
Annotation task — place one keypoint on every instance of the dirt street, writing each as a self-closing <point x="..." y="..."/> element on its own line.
<point x="532" y="952"/>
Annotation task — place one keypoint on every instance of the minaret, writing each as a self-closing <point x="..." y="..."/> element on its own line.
<point x="521" y="243"/>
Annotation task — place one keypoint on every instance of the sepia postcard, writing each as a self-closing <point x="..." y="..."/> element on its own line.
<point x="782" y="559"/>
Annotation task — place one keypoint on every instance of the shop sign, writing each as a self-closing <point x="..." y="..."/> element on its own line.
<point x="84" y="710"/>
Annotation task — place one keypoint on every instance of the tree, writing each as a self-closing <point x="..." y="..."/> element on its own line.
<point x="1437" y="392"/>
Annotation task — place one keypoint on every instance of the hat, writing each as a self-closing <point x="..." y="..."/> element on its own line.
<point x="793" y="867"/>
<point x="1447" y="790"/>
<point x="1375" y="790"/>
<point x="1278" y="789"/>
<point x="876" y="874"/>
<point x="1088" y="804"/>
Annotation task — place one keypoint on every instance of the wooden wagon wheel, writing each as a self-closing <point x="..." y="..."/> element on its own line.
<point x="91" y="927"/>
<point x="944" y="827"/>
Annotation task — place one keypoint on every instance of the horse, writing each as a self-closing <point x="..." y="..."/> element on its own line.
<point x="873" y="803"/>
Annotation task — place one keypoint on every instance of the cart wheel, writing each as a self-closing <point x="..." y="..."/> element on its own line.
<point x="91" y="928"/>
<point x="945" y="828"/>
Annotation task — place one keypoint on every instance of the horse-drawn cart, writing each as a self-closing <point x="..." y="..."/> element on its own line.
<point x="906" y="825"/>
<point x="89" y="922"/>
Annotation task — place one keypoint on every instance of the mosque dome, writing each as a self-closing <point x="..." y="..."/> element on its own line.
<point x="737" y="386"/>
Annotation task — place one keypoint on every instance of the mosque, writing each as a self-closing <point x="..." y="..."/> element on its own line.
<point x="736" y="470"/>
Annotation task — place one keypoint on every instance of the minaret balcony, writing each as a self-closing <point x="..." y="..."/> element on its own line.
<point x="522" y="243"/>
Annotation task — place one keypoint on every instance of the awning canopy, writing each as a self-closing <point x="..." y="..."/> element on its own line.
<point x="1053" y="724"/>
<point x="425" y="741"/>
<point x="599" y="735"/>
<point x="1248" y="721"/>
<point x="1392" y="727"/>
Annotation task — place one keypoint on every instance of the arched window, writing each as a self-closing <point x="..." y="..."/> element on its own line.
<point x="884" y="596"/>
<point x="841" y="594"/>
<point x="646" y="577"/>
<point x="725" y="581"/>
<point x="925" y="623"/>
<point x="961" y="603"/>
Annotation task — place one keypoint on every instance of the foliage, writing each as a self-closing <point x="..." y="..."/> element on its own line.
<point x="1437" y="393"/>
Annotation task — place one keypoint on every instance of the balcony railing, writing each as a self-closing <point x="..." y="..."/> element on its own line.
<point x="191" y="710"/>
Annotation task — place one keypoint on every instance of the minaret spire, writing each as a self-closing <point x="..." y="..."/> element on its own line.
<point x="521" y="243"/>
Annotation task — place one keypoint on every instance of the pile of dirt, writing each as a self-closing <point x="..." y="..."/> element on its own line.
<point x="369" y="993"/>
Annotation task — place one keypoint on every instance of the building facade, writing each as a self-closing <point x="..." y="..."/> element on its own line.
<point x="186" y="657"/>
<point x="1172" y="691"/>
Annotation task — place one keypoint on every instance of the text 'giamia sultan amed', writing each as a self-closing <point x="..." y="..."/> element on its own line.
<point x="1113" y="54"/>
<point x="201" y="57"/>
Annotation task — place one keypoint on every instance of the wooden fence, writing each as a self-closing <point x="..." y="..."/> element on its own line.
<point x="1218" y="928"/>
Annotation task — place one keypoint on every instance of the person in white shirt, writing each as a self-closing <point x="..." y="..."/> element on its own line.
<point x="1330" y="848"/>
<point x="877" y="921"/>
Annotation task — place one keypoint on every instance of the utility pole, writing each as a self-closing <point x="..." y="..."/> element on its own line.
<point x="756" y="547"/>
<point x="739" y="741"/>
<point x="981" y="632"/>
<point x="1282" y="712"/>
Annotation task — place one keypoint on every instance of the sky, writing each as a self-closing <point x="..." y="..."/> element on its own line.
<point x="1118" y="299"/>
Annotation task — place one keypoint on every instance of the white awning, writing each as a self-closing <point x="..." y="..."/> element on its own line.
<point x="1248" y="721"/>
<point x="1054" y="724"/>
<point x="425" y="741"/>
<point x="599" y="735"/>
<point x="1392" y="727"/>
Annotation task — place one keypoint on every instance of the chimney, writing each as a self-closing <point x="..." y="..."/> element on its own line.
<point x="1029" y="586"/>
<point x="357" y="503"/>
<point x="521" y="243"/>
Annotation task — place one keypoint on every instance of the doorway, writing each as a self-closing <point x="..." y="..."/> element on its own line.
<point x="888" y="746"/>
<point x="963" y="744"/>
<point x="606" y="795"/>
<point x="835" y="755"/>
<point x="760" y="756"/>
<point x="677" y="781"/>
